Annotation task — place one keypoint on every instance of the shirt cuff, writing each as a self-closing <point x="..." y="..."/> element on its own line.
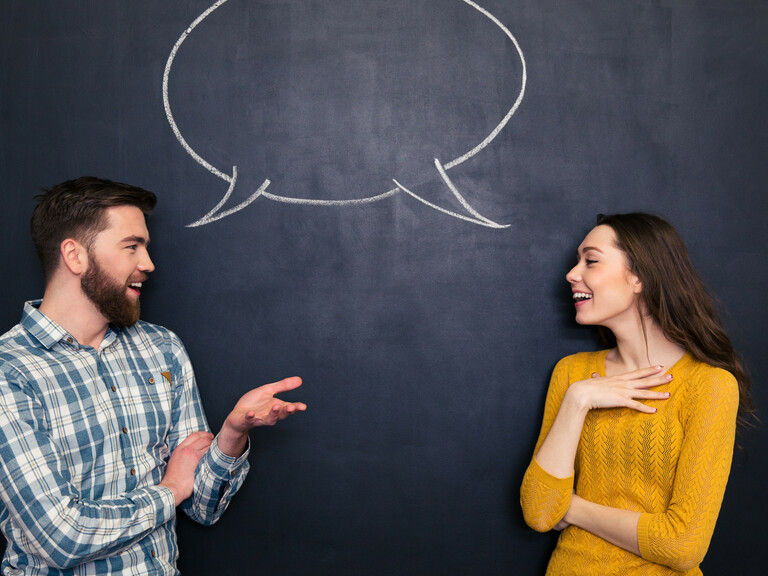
<point x="224" y="466"/>
<point x="160" y="500"/>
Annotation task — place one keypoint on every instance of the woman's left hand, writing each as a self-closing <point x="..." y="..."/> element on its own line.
<point x="562" y="525"/>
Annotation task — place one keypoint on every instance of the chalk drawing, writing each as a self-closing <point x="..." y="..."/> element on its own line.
<point x="217" y="213"/>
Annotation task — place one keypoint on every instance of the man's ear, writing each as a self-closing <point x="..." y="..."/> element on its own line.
<point x="74" y="256"/>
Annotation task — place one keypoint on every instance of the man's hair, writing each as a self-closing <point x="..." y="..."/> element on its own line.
<point x="77" y="209"/>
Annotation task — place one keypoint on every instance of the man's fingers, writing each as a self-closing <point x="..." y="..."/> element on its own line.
<point x="198" y="440"/>
<point x="197" y="436"/>
<point x="284" y="385"/>
<point x="282" y="410"/>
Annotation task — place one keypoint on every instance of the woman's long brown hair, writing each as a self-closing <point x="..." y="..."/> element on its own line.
<point x="677" y="299"/>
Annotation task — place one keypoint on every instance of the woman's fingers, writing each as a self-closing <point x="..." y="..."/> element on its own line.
<point x="650" y="395"/>
<point x="625" y="390"/>
<point x="640" y="378"/>
<point x="636" y="396"/>
<point x="650" y="381"/>
<point x="643" y="373"/>
<point x="640" y="407"/>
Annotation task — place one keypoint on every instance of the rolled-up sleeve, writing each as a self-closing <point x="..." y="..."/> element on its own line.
<point x="218" y="476"/>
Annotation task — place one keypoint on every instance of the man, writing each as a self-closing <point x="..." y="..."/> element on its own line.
<point x="102" y="432"/>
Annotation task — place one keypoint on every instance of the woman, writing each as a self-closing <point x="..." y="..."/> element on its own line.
<point x="636" y="443"/>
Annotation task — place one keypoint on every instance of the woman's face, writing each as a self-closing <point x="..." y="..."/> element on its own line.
<point x="604" y="290"/>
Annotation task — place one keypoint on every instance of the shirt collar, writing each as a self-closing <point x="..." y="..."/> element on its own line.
<point x="49" y="333"/>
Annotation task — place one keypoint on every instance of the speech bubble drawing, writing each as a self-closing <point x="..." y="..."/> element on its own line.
<point x="219" y="211"/>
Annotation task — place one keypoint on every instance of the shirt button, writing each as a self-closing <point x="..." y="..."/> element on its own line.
<point x="153" y="554"/>
<point x="151" y="380"/>
<point x="114" y="388"/>
<point x="125" y="430"/>
<point x="133" y="471"/>
<point x="69" y="340"/>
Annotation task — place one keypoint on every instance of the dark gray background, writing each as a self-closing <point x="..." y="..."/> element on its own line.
<point x="425" y="342"/>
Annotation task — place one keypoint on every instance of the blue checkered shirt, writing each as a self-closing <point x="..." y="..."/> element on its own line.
<point x="85" y="436"/>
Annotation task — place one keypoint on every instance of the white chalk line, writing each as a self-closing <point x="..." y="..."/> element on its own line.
<point x="515" y="106"/>
<point x="461" y="199"/>
<point x="213" y="214"/>
<point x="314" y="202"/>
<point x="166" y="103"/>
<point x="444" y="211"/>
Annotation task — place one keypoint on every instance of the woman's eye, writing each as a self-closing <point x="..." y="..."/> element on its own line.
<point x="588" y="261"/>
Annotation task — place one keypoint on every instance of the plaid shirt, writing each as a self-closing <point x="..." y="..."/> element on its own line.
<point x="85" y="436"/>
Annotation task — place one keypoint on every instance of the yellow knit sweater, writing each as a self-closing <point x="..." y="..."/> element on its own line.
<point x="672" y="466"/>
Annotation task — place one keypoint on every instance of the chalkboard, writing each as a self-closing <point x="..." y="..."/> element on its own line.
<point x="384" y="198"/>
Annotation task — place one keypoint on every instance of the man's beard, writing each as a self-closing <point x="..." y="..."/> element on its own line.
<point x="109" y="296"/>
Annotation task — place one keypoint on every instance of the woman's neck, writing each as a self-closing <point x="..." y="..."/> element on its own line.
<point x="638" y="348"/>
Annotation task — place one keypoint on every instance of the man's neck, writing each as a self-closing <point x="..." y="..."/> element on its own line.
<point x="73" y="311"/>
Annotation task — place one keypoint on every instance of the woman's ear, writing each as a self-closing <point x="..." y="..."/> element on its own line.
<point x="634" y="281"/>
<point x="74" y="256"/>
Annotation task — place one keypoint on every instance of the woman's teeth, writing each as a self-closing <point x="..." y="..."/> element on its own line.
<point x="581" y="296"/>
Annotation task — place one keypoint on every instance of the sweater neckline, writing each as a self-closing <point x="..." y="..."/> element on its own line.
<point x="601" y="356"/>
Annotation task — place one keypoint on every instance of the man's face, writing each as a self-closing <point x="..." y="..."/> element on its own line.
<point x="118" y="263"/>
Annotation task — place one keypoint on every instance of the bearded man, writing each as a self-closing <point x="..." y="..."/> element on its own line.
<point x="102" y="431"/>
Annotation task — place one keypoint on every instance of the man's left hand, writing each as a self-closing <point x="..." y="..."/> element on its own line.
<point x="259" y="407"/>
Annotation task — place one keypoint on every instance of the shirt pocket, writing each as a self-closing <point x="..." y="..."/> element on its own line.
<point x="152" y="403"/>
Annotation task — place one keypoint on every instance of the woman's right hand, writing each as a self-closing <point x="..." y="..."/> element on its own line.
<point x="558" y="450"/>
<point x="623" y="390"/>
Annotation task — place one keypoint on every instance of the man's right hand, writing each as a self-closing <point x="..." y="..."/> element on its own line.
<point x="180" y="471"/>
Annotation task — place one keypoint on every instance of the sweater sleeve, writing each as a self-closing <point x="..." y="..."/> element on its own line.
<point x="545" y="498"/>
<point x="679" y="536"/>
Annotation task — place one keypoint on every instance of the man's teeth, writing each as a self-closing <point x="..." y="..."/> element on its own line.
<point x="135" y="284"/>
<point x="581" y="296"/>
